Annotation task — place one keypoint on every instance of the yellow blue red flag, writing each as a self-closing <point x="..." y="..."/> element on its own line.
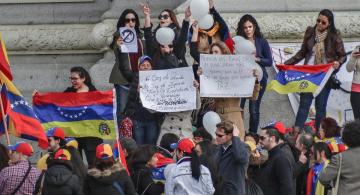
<point x="89" y="114"/>
<point x="20" y="117"/>
<point x="306" y="78"/>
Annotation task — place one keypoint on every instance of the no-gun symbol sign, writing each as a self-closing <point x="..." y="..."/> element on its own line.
<point x="129" y="43"/>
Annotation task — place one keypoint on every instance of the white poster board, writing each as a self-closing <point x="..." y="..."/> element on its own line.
<point x="129" y="38"/>
<point x="227" y="75"/>
<point x="170" y="90"/>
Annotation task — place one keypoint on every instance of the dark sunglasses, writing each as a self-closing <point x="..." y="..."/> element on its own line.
<point x="218" y="135"/>
<point x="165" y="17"/>
<point x="128" y="20"/>
<point x="262" y="137"/>
<point x="321" y="21"/>
<point x="163" y="46"/>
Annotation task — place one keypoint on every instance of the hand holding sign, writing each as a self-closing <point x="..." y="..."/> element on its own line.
<point x="128" y="40"/>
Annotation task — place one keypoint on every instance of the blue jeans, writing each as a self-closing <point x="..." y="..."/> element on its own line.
<point x="122" y="93"/>
<point x="254" y="108"/>
<point x="320" y="107"/>
<point x="145" y="132"/>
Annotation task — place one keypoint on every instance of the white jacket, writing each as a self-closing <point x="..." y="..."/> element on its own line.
<point x="354" y="65"/>
<point x="180" y="182"/>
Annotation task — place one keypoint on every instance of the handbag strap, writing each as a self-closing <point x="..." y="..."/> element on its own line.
<point x="23" y="180"/>
<point x="336" y="188"/>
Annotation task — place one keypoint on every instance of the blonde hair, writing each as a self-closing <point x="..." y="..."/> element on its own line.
<point x="223" y="47"/>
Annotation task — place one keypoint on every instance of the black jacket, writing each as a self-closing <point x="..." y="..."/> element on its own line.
<point x="174" y="60"/>
<point x="144" y="184"/>
<point x="102" y="182"/>
<point x="60" y="180"/>
<point x="232" y="165"/>
<point x="276" y="175"/>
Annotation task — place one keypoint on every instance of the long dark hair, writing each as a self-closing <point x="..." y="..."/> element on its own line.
<point x="4" y="156"/>
<point x="330" y="17"/>
<point x="194" y="164"/>
<point x="121" y="21"/>
<point x="84" y="74"/>
<point x="173" y="18"/>
<point x="240" y="27"/>
<point x="207" y="159"/>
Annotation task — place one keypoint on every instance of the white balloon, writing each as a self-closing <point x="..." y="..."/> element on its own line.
<point x="243" y="46"/>
<point x="206" y="22"/>
<point x="210" y="120"/>
<point x="165" y="35"/>
<point x="199" y="8"/>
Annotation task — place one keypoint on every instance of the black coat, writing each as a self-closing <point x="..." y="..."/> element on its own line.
<point x="143" y="181"/>
<point x="174" y="60"/>
<point x="232" y="165"/>
<point x="102" y="182"/>
<point x="60" y="180"/>
<point x="276" y="175"/>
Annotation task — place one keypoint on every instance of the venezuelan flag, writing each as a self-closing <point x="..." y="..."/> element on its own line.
<point x="20" y="117"/>
<point x="4" y="61"/>
<point x="306" y="78"/>
<point x="89" y="114"/>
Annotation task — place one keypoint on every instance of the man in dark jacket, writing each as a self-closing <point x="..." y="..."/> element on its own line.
<point x="232" y="157"/>
<point x="59" y="178"/>
<point x="276" y="176"/>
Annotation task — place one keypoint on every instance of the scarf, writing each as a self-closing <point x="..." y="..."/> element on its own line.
<point x="212" y="31"/>
<point x="133" y="57"/>
<point x="319" y="46"/>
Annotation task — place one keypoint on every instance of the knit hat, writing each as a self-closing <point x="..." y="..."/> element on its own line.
<point x="22" y="148"/>
<point x="104" y="151"/>
<point x="186" y="145"/>
<point x="277" y="125"/>
<point x="55" y="132"/>
<point x="62" y="154"/>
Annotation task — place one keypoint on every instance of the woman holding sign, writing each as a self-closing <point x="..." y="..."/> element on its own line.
<point x="250" y="30"/>
<point x="125" y="63"/>
<point x="227" y="108"/>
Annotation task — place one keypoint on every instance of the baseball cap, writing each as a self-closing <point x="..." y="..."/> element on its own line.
<point x="185" y="144"/>
<point x="62" y="154"/>
<point x="22" y="147"/>
<point x="143" y="58"/>
<point x="104" y="151"/>
<point x="55" y="132"/>
<point x="279" y="126"/>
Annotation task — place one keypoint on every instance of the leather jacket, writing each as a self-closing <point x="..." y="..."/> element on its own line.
<point x="334" y="48"/>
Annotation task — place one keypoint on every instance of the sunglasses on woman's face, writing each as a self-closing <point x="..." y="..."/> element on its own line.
<point x="165" y="17"/>
<point x="163" y="46"/>
<point x="128" y="20"/>
<point x="321" y="22"/>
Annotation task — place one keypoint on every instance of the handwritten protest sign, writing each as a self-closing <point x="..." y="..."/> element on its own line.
<point x="227" y="75"/>
<point x="168" y="90"/>
<point x="129" y="38"/>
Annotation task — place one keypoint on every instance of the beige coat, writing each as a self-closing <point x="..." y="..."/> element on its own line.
<point x="349" y="175"/>
<point x="229" y="109"/>
<point x="353" y="65"/>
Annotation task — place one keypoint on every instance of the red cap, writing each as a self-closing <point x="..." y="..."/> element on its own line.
<point x="22" y="148"/>
<point x="62" y="154"/>
<point x="55" y="132"/>
<point x="185" y="145"/>
<point x="279" y="126"/>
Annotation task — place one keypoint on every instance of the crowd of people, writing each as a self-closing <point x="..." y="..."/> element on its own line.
<point x="172" y="153"/>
